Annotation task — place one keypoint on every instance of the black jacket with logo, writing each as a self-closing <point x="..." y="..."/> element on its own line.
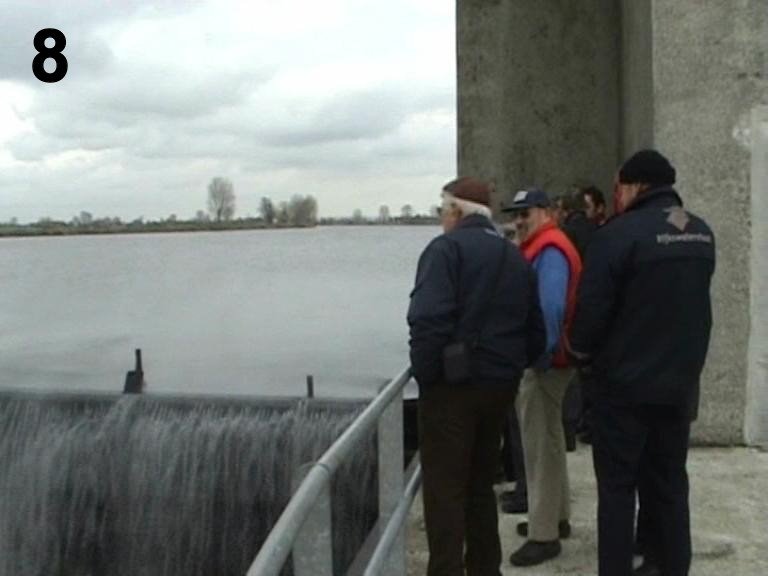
<point x="643" y="312"/>
<point x="455" y="274"/>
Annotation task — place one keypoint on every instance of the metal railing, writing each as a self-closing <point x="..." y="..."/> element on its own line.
<point x="305" y="524"/>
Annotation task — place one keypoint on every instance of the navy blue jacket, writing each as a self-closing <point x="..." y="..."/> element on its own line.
<point x="643" y="312"/>
<point x="455" y="272"/>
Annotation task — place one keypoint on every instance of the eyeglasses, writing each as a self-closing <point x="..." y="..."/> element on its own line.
<point x="521" y="215"/>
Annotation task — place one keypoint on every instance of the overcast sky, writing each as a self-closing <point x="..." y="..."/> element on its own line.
<point x="352" y="101"/>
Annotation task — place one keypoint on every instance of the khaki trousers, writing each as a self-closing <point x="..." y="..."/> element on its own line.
<point x="539" y="408"/>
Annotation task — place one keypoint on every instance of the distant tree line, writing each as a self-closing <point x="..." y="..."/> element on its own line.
<point x="299" y="211"/>
<point x="407" y="217"/>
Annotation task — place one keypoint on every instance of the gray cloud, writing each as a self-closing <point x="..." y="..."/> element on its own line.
<point x="137" y="131"/>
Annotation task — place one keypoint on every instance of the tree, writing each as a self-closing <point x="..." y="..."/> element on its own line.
<point x="267" y="211"/>
<point x="407" y="211"/>
<point x="221" y="199"/>
<point x="201" y="216"/>
<point x="282" y="214"/>
<point x="357" y="216"/>
<point x="384" y="216"/>
<point x="302" y="210"/>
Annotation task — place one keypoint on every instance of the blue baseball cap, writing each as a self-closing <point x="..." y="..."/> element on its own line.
<point x="528" y="198"/>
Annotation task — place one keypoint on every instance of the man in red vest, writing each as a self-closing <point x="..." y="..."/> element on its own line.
<point x="540" y="399"/>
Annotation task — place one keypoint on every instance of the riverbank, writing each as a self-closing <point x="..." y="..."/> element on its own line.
<point x="63" y="229"/>
<point x="729" y="518"/>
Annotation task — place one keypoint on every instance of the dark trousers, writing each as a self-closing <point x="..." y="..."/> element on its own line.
<point x="459" y="431"/>
<point x="512" y="452"/>
<point x="642" y="446"/>
<point x="573" y="409"/>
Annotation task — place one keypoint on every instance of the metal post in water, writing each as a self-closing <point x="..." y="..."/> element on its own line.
<point x="310" y="386"/>
<point x="134" y="379"/>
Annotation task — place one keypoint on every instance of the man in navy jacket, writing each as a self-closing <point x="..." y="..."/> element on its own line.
<point x="473" y="287"/>
<point x="642" y="328"/>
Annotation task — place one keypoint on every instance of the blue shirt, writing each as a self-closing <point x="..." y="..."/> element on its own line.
<point x="553" y="271"/>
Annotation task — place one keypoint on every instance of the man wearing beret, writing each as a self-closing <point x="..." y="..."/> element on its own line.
<point x="642" y="329"/>
<point x="540" y="402"/>
<point x="474" y="321"/>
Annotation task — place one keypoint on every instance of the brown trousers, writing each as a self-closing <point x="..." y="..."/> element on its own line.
<point x="459" y="430"/>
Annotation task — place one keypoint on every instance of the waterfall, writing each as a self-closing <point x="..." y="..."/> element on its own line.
<point x="141" y="487"/>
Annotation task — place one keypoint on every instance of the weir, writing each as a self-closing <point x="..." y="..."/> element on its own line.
<point x="163" y="486"/>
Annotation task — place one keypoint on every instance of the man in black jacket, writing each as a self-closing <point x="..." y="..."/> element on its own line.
<point x="473" y="287"/>
<point x="642" y="328"/>
<point x="576" y="225"/>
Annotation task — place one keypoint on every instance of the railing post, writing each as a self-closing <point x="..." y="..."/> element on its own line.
<point x="313" y="548"/>
<point x="391" y="464"/>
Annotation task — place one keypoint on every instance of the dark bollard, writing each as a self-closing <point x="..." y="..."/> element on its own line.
<point x="134" y="379"/>
<point x="310" y="386"/>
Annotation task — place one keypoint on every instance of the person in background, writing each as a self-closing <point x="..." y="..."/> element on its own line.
<point x="642" y="329"/>
<point x="475" y="321"/>
<point x="579" y="229"/>
<point x="559" y="210"/>
<point x="596" y="209"/>
<point x="540" y="402"/>
<point x="576" y="224"/>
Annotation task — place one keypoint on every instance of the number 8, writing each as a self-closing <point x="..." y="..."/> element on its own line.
<point x="60" y="42"/>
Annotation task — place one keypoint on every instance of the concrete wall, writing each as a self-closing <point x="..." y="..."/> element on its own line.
<point x="479" y="50"/>
<point x="554" y="92"/>
<point x="708" y="74"/>
<point x="636" y="74"/>
<point x="538" y="92"/>
<point x="756" y="426"/>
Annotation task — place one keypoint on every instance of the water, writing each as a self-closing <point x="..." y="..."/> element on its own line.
<point x="249" y="312"/>
<point x="141" y="487"/>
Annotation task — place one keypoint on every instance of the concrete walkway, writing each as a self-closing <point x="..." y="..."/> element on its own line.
<point x="729" y="518"/>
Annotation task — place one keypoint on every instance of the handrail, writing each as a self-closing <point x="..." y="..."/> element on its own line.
<point x="392" y="531"/>
<point x="275" y="550"/>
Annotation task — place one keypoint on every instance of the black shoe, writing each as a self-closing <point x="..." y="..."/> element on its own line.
<point x="585" y="437"/>
<point x="513" y="502"/>
<point x="647" y="569"/>
<point x="563" y="529"/>
<point x="532" y="553"/>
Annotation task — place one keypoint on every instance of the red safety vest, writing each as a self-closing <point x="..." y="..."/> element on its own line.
<point x="546" y="236"/>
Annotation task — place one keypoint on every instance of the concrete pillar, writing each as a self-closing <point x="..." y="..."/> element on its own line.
<point x="709" y="72"/>
<point x="636" y="74"/>
<point x="538" y="92"/>
<point x="479" y="51"/>
<point x="756" y="426"/>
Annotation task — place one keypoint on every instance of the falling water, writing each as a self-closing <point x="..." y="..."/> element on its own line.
<point x="139" y="487"/>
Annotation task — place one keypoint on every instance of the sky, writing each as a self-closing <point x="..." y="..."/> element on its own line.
<point x="352" y="101"/>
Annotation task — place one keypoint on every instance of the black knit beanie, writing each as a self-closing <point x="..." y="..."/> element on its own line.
<point x="647" y="167"/>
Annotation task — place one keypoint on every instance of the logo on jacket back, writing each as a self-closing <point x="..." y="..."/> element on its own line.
<point x="679" y="219"/>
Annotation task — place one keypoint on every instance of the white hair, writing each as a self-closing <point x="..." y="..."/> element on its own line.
<point x="466" y="207"/>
